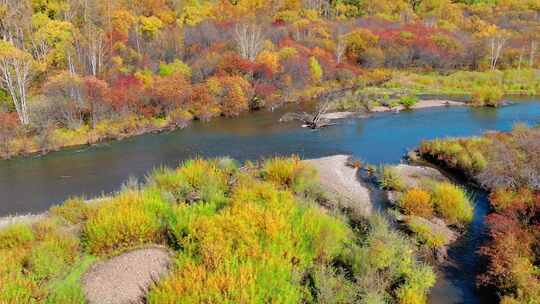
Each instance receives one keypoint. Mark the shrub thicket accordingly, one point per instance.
(249, 236)
(452, 203)
(417, 202)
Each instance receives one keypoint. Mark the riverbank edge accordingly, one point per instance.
(30, 218)
(337, 115)
(173, 126)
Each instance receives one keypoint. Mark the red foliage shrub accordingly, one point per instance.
(126, 94)
(9, 122)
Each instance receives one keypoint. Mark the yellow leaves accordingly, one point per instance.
(287, 52)
(10, 52)
(214, 86)
(177, 66)
(123, 20)
(315, 69)
(270, 59)
(145, 76)
(358, 41)
(287, 15)
(167, 16)
(196, 12)
(150, 25)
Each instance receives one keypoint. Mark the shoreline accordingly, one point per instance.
(422, 104)
(29, 218)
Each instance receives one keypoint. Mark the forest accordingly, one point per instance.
(77, 72)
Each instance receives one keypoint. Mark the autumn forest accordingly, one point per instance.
(306, 151)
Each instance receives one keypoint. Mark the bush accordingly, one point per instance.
(391, 180)
(487, 96)
(195, 180)
(69, 289)
(452, 203)
(416, 202)
(291, 173)
(425, 234)
(408, 101)
(130, 219)
(16, 235)
(52, 256)
(74, 210)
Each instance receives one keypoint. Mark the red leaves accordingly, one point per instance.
(126, 93)
(513, 234)
(8, 121)
(234, 64)
(169, 92)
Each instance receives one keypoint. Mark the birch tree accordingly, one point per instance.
(496, 39)
(15, 73)
(249, 39)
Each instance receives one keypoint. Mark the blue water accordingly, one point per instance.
(33, 184)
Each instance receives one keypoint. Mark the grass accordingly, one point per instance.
(69, 289)
(390, 179)
(290, 172)
(508, 82)
(74, 210)
(468, 155)
(452, 203)
(424, 233)
(16, 235)
(128, 220)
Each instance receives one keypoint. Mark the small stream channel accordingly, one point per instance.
(456, 276)
(34, 184)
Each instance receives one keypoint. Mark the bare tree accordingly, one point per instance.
(340, 49)
(15, 68)
(249, 39)
(532, 52)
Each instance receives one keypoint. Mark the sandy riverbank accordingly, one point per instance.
(422, 104)
(344, 184)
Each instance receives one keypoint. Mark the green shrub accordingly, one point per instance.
(332, 287)
(74, 210)
(425, 234)
(16, 235)
(52, 256)
(19, 289)
(390, 179)
(487, 96)
(452, 203)
(291, 173)
(69, 289)
(130, 219)
(195, 180)
(408, 101)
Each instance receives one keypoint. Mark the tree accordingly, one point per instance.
(95, 93)
(249, 40)
(315, 69)
(15, 74)
(64, 92)
(9, 124)
(170, 91)
(497, 39)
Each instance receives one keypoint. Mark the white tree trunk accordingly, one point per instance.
(249, 40)
(532, 52)
(15, 74)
